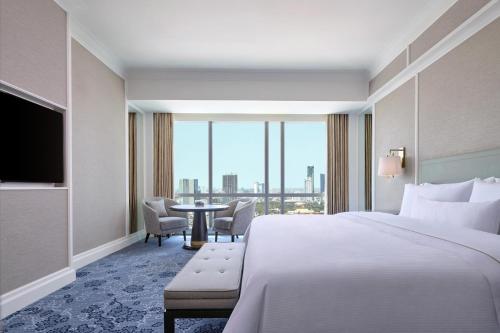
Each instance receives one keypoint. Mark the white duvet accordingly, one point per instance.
(366, 272)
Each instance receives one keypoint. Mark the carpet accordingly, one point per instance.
(122, 292)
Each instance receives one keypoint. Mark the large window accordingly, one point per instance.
(282, 164)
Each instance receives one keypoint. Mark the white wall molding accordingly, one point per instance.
(471, 26)
(87, 257)
(90, 42)
(405, 39)
(23, 296)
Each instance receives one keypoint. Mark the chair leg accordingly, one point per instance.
(238, 236)
(147, 237)
(168, 235)
(184, 234)
(168, 323)
(232, 238)
(216, 235)
(159, 240)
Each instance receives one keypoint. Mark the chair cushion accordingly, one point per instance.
(172, 222)
(158, 206)
(223, 222)
(211, 279)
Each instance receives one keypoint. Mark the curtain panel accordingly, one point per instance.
(132, 171)
(163, 155)
(338, 163)
(368, 162)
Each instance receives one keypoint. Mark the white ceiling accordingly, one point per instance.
(247, 107)
(254, 34)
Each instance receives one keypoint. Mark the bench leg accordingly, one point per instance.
(168, 322)
(184, 234)
(159, 240)
(147, 237)
(232, 238)
(216, 235)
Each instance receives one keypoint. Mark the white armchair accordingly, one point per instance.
(161, 226)
(233, 221)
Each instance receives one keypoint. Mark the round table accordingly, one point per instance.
(199, 235)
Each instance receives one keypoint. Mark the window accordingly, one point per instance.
(282, 164)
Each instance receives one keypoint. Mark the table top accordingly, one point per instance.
(193, 208)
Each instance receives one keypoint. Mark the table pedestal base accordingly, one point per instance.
(199, 234)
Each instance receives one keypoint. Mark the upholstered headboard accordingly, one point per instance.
(460, 167)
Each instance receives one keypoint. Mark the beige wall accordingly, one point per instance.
(449, 21)
(33, 235)
(33, 47)
(33, 223)
(390, 71)
(459, 98)
(458, 110)
(395, 128)
(99, 160)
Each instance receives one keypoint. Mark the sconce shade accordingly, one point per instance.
(389, 166)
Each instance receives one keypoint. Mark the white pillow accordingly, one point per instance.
(159, 207)
(483, 191)
(492, 180)
(455, 192)
(484, 216)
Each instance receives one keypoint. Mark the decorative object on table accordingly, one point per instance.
(161, 221)
(199, 235)
(235, 220)
(199, 203)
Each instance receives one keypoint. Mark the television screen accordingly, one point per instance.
(31, 142)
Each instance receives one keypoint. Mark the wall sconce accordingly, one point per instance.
(389, 166)
(393, 164)
(401, 153)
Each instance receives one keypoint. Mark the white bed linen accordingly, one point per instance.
(366, 272)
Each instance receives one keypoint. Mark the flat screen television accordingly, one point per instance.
(31, 142)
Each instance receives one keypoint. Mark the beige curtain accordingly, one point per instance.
(368, 162)
(162, 155)
(338, 163)
(132, 171)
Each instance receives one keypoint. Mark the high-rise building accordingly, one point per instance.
(258, 187)
(308, 185)
(310, 175)
(230, 183)
(188, 186)
(321, 183)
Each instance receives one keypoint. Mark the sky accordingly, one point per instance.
(238, 148)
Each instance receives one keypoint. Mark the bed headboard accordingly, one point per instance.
(460, 167)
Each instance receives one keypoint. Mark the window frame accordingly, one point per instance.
(266, 195)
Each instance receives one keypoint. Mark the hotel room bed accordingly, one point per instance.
(367, 272)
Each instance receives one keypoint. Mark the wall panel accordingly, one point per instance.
(99, 160)
(449, 21)
(33, 235)
(394, 128)
(33, 47)
(459, 98)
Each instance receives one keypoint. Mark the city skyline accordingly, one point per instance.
(230, 185)
(305, 145)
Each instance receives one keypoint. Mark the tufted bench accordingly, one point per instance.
(208, 286)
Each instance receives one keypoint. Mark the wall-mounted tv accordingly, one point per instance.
(31, 141)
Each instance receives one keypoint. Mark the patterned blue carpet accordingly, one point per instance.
(119, 293)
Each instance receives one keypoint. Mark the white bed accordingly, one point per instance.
(367, 272)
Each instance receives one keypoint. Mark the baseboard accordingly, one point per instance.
(23, 296)
(87, 257)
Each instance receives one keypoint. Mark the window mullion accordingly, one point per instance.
(282, 167)
(266, 167)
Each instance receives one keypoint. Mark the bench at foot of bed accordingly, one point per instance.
(207, 287)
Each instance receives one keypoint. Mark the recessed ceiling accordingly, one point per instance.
(247, 107)
(253, 34)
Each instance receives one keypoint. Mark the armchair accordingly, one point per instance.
(235, 220)
(163, 226)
